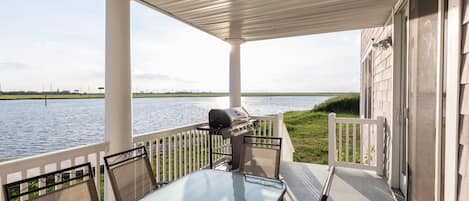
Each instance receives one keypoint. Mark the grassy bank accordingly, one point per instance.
(309, 129)
(156, 95)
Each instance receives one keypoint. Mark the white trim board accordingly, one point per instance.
(452, 99)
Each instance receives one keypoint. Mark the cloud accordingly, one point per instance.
(158, 77)
(152, 76)
(12, 65)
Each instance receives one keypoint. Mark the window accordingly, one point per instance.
(367, 94)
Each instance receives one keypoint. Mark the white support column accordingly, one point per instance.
(235, 72)
(118, 94)
(452, 99)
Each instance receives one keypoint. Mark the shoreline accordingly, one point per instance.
(158, 95)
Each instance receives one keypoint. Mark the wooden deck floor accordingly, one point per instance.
(304, 183)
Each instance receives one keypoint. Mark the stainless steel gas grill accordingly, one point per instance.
(233, 124)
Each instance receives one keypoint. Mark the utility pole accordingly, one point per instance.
(45, 95)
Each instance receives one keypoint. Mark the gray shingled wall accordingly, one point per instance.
(382, 80)
(464, 116)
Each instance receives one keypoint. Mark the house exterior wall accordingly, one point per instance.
(382, 87)
(422, 66)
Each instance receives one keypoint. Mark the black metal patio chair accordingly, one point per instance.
(130, 174)
(71, 184)
(261, 156)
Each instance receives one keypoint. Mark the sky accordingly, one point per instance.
(59, 44)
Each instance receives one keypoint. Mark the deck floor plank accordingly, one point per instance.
(304, 182)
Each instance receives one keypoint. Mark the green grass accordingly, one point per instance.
(157, 95)
(55, 96)
(340, 104)
(309, 129)
(309, 133)
(6, 159)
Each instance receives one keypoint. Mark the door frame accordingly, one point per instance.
(453, 66)
(398, 116)
(440, 100)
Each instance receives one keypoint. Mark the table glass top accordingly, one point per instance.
(214, 185)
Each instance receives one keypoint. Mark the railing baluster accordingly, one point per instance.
(150, 153)
(97, 168)
(340, 142)
(215, 147)
(180, 154)
(258, 130)
(185, 152)
(219, 148)
(332, 139)
(190, 151)
(3, 181)
(369, 144)
(72, 172)
(41, 183)
(204, 150)
(24, 187)
(346, 142)
(362, 151)
(164, 158)
(58, 178)
(157, 153)
(198, 149)
(194, 151)
(170, 148)
(175, 157)
(223, 144)
(207, 152)
(354, 148)
(270, 129)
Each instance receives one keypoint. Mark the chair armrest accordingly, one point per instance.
(327, 184)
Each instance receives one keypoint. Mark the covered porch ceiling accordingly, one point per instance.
(252, 20)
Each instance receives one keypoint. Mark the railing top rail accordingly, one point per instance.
(356, 120)
(49, 157)
(271, 117)
(166, 132)
(287, 138)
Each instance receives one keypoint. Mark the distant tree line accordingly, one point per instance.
(36, 92)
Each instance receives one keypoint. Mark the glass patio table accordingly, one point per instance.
(215, 185)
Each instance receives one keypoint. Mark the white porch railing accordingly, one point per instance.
(173, 153)
(176, 152)
(356, 143)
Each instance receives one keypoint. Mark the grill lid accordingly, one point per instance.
(226, 118)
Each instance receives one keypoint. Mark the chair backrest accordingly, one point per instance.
(130, 174)
(71, 184)
(261, 156)
(326, 188)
